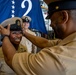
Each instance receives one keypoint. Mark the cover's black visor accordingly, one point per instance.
(14, 27)
(60, 5)
(25, 20)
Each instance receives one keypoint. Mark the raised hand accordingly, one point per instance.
(5, 31)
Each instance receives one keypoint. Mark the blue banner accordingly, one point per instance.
(19, 8)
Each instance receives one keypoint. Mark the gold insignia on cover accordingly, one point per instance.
(57, 7)
(18, 22)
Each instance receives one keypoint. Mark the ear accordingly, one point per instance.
(64, 17)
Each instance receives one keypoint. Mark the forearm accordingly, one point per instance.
(38, 41)
(8, 51)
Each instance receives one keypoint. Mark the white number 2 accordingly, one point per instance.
(29, 6)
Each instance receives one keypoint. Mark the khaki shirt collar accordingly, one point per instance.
(68, 39)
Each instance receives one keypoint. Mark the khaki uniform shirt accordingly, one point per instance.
(57, 60)
(21, 48)
(30, 47)
(4, 68)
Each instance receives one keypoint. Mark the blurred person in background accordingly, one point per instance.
(31, 48)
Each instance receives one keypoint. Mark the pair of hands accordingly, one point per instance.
(5, 31)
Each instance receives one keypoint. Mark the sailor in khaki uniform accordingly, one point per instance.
(15, 38)
(31, 48)
(57, 60)
(58, 57)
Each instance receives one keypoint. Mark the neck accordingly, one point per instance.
(68, 34)
(16, 46)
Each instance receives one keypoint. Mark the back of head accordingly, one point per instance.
(58, 5)
(15, 23)
(26, 19)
